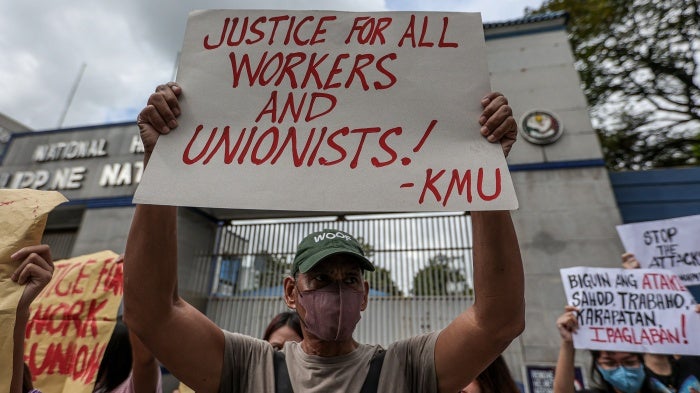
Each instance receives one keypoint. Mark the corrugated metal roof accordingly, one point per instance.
(528, 19)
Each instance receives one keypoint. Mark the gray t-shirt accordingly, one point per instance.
(409, 366)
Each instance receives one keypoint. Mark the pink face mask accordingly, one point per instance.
(332, 312)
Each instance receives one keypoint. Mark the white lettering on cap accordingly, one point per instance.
(329, 236)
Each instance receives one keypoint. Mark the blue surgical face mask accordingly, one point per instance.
(626, 380)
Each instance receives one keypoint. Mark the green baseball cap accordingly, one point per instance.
(319, 245)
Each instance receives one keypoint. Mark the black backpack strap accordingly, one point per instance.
(282, 382)
(375, 368)
(284, 385)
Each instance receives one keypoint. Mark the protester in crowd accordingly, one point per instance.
(284, 327)
(668, 373)
(34, 272)
(127, 366)
(611, 371)
(115, 367)
(496, 378)
(114, 374)
(328, 291)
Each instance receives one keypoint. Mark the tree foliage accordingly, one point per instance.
(273, 269)
(380, 279)
(440, 278)
(638, 61)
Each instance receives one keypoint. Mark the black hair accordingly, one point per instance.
(497, 378)
(287, 318)
(116, 362)
(598, 379)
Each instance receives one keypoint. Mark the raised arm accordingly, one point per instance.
(182, 338)
(145, 369)
(478, 335)
(35, 271)
(564, 373)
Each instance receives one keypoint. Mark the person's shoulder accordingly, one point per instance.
(240, 337)
(421, 341)
(238, 340)
(424, 337)
(687, 365)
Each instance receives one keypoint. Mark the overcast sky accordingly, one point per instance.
(131, 46)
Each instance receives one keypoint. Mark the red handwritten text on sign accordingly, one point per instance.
(385, 104)
(72, 320)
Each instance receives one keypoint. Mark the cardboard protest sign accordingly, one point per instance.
(632, 310)
(672, 244)
(23, 215)
(71, 322)
(330, 111)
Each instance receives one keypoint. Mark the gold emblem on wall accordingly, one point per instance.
(540, 127)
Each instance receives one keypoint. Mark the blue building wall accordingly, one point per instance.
(657, 194)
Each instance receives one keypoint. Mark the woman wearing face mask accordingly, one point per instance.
(611, 371)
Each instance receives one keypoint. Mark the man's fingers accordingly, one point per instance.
(38, 260)
(42, 249)
(160, 113)
(171, 97)
(33, 272)
(170, 92)
(163, 108)
(506, 127)
(39, 255)
(489, 98)
(150, 117)
(33, 265)
(497, 113)
(491, 103)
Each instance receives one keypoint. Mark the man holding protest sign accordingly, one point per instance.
(346, 112)
(325, 272)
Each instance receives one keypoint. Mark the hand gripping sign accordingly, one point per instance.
(632, 310)
(71, 322)
(330, 111)
(23, 215)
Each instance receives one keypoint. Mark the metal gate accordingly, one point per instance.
(61, 242)
(423, 278)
